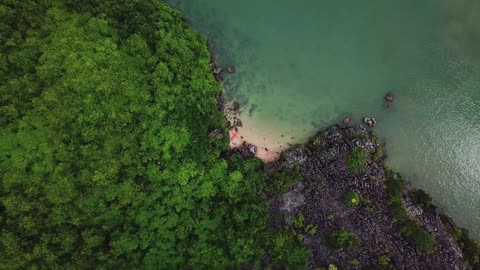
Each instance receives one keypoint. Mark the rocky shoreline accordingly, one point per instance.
(326, 178)
(317, 200)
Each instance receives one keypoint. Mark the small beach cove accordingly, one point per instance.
(305, 66)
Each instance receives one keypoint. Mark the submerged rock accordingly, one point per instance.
(231, 69)
(347, 121)
(389, 97)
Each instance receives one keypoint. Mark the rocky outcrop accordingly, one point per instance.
(369, 121)
(327, 178)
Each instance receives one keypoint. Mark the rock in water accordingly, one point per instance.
(369, 121)
(389, 98)
(231, 69)
(347, 121)
(217, 70)
(219, 77)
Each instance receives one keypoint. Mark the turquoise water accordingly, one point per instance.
(303, 65)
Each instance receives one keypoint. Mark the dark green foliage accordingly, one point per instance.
(417, 236)
(419, 197)
(280, 182)
(351, 198)
(288, 252)
(105, 155)
(413, 232)
(470, 248)
(395, 186)
(342, 239)
(357, 160)
(398, 213)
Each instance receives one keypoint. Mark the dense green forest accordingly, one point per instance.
(105, 155)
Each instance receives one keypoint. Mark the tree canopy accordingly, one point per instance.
(105, 155)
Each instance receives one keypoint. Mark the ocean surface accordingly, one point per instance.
(304, 65)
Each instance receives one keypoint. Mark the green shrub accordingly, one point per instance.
(397, 212)
(419, 197)
(470, 248)
(354, 262)
(342, 239)
(288, 252)
(413, 232)
(311, 229)
(282, 181)
(298, 221)
(332, 267)
(357, 160)
(351, 198)
(316, 142)
(383, 261)
(418, 237)
(395, 187)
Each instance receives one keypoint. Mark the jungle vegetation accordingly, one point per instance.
(105, 156)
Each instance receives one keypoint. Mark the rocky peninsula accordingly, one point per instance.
(353, 212)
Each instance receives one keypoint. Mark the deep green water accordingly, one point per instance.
(303, 65)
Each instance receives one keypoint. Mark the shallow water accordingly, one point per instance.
(303, 65)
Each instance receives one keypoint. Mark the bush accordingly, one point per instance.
(316, 142)
(282, 181)
(395, 187)
(351, 198)
(419, 197)
(342, 239)
(298, 221)
(332, 267)
(418, 237)
(297, 255)
(311, 229)
(378, 153)
(470, 248)
(354, 262)
(383, 261)
(415, 234)
(398, 214)
(357, 160)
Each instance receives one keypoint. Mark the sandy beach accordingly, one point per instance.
(269, 146)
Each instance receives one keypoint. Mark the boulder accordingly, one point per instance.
(369, 121)
(219, 78)
(217, 70)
